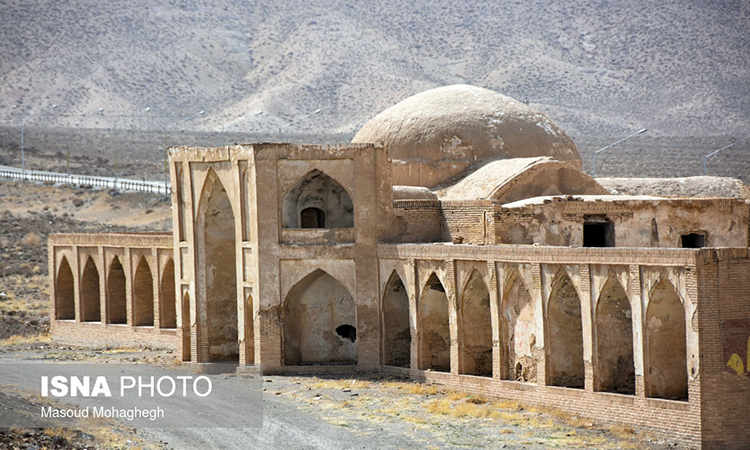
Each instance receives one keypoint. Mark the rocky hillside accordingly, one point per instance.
(597, 68)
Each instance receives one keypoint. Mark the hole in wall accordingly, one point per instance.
(598, 233)
(693, 240)
(347, 332)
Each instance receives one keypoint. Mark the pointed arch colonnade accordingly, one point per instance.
(113, 289)
(617, 329)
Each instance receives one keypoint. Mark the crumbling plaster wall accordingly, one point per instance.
(361, 169)
(194, 172)
(637, 223)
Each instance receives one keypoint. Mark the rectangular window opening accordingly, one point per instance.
(598, 234)
(693, 240)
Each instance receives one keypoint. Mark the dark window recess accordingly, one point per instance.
(693, 240)
(312, 218)
(598, 234)
(347, 332)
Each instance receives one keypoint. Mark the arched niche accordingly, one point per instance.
(320, 322)
(476, 328)
(91, 307)
(396, 333)
(65, 308)
(217, 261)
(168, 300)
(143, 295)
(117, 307)
(614, 340)
(666, 343)
(434, 327)
(519, 325)
(317, 201)
(565, 327)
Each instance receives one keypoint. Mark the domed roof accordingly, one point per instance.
(436, 134)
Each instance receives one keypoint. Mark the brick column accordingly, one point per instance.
(540, 349)
(450, 291)
(103, 304)
(587, 318)
(497, 319)
(636, 304)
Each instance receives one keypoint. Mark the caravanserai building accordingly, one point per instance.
(455, 240)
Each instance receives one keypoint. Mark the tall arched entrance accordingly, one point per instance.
(320, 321)
(218, 272)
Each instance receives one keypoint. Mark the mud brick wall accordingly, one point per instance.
(724, 288)
(418, 220)
(471, 222)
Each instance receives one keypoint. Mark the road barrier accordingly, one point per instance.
(155, 187)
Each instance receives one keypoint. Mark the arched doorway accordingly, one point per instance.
(218, 293)
(117, 307)
(666, 341)
(565, 334)
(90, 304)
(65, 308)
(320, 320)
(396, 329)
(614, 340)
(317, 201)
(167, 301)
(143, 295)
(476, 328)
(434, 327)
(519, 327)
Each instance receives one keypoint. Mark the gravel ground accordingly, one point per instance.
(364, 412)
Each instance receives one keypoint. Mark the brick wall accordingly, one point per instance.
(724, 311)
(418, 220)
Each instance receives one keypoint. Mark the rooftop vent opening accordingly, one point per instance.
(598, 233)
(312, 218)
(347, 332)
(693, 240)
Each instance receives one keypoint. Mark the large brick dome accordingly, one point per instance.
(435, 135)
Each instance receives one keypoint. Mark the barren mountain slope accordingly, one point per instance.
(597, 68)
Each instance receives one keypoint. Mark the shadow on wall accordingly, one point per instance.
(320, 320)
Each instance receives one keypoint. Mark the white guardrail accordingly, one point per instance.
(156, 187)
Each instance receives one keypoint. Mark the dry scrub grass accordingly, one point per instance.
(317, 383)
(25, 340)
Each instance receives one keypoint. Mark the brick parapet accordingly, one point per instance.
(163, 240)
(548, 254)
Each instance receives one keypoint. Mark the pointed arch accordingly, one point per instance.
(666, 343)
(320, 320)
(476, 328)
(317, 201)
(396, 332)
(65, 308)
(143, 295)
(217, 292)
(615, 365)
(519, 330)
(90, 304)
(434, 326)
(565, 326)
(117, 307)
(167, 298)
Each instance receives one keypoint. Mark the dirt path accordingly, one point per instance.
(345, 413)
